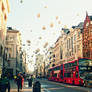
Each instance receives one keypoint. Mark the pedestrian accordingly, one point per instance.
(22, 82)
(4, 84)
(19, 81)
(8, 85)
(30, 81)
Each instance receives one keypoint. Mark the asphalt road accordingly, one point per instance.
(49, 86)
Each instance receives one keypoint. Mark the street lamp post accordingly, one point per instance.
(44, 69)
(16, 60)
(3, 71)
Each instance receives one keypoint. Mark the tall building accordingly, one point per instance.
(39, 62)
(13, 45)
(73, 43)
(87, 37)
(4, 10)
(51, 57)
(24, 68)
(68, 46)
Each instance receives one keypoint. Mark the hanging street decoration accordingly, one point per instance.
(59, 22)
(38, 15)
(44, 28)
(28, 41)
(45, 7)
(45, 45)
(40, 38)
(37, 50)
(56, 17)
(21, 1)
(51, 25)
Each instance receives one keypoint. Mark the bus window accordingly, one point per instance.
(71, 75)
(61, 74)
(75, 63)
(76, 74)
(55, 75)
(85, 62)
(67, 74)
(61, 67)
(66, 65)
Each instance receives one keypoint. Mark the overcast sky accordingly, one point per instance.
(30, 16)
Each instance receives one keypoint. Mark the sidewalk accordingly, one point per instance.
(26, 88)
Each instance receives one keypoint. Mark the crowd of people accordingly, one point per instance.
(19, 80)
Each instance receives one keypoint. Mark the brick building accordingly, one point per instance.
(87, 37)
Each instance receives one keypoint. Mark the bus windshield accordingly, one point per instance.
(85, 62)
(82, 74)
(85, 74)
(85, 67)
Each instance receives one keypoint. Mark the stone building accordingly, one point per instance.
(4, 10)
(13, 45)
(39, 63)
(68, 46)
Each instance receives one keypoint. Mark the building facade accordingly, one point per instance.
(39, 63)
(87, 37)
(69, 46)
(4, 10)
(13, 45)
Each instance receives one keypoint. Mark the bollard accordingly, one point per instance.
(37, 87)
(30, 82)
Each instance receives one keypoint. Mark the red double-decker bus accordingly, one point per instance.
(73, 72)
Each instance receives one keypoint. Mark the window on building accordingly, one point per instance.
(61, 53)
(91, 43)
(79, 34)
(50, 52)
(75, 49)
(74, 37)
(72, 43)
(3, 8)
(9, 55)
(5, 17)
(54, 55)
(91, 32)
(78, 47)
(69, 43)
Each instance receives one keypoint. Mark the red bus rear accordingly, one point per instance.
(72, 72)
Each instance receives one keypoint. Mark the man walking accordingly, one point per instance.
(19, 81)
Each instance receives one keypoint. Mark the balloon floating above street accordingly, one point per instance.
(21, 1)
(40, 38)
(45, 7)
(28, 41)
(44, 28)
(56, 17)
(37, 50)
(45, 45)
(59, 22)
(23, 45)
(51, 25)
(28, 44)
(65, 26)
(38, 15)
